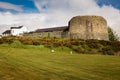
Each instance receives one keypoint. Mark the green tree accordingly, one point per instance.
(112, 35)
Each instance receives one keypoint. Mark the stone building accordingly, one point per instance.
(80, 27)
(88, 27)
(58, 32)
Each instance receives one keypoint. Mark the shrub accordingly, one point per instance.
(116, 46)
(78, 49)
(36, 42)
(17, 44)
(25, 40)
(4, 45)
(61, 49)
(107, 51)
(6, 40)
(78, 45)
(92, 51)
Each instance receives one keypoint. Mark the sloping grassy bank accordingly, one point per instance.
(39, 63)
(78, 45)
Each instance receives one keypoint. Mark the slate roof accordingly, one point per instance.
(63, 28)
(16, 27)
(7, 32)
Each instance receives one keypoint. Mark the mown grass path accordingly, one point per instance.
(41, 64)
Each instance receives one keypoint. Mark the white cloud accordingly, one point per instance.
(32, 21)
(59, 12)
(63, 10)
(6, 5)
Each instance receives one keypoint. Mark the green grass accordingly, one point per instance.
(38, 63)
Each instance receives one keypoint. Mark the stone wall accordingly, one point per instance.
(88, 27)
(80, 27)
(57, 34)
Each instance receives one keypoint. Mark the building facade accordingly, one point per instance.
(80, 27)
(88, 27)
(58, 32)
(15, 31)
(18, 31)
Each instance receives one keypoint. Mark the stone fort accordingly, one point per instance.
(79, 27)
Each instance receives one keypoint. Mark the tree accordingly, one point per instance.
(112, 35)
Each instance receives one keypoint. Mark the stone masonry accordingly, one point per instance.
(79, 27)
(88, 27)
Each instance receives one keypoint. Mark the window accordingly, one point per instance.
(12, 31)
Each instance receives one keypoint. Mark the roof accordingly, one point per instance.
(7, 32)
(63, 28)
(16, 27)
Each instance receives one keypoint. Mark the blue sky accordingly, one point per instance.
(36, 14)
(114, 3)
(29, 6)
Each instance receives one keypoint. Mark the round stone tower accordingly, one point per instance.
(88, 27)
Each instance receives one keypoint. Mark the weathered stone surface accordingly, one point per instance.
(88, 27)
(80, 27)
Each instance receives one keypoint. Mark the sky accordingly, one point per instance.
(37, 14)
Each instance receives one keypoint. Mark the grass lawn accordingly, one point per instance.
(41, 64)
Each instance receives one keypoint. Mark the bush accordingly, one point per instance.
(4, 45)
(78, 49)
(17, 44)
(107, 51)
(78, 45)
(116, 46)
(6, 40)
(61, 49)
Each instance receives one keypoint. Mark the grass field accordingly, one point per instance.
(41, 64)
